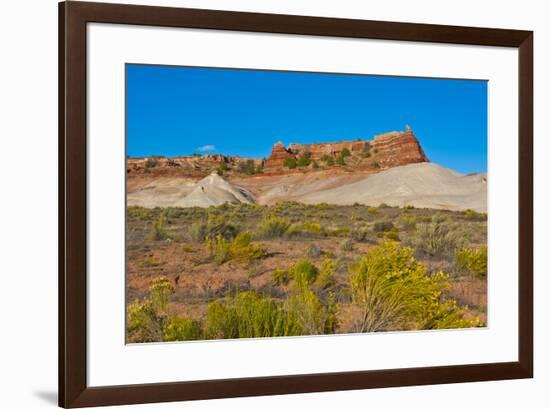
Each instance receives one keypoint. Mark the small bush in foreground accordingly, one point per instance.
(303, 273)
(182, 329)
(240, 248)
(280, 276)
(392, 291)
(472, 260)
(273, 226)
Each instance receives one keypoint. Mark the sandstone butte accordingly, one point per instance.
(385, 151)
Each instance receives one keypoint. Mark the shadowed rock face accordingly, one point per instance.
(390, 149)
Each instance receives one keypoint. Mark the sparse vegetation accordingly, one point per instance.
(296, 269)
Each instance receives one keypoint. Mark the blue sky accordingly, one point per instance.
(175, 111)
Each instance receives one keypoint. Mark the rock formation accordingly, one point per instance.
(386, 150)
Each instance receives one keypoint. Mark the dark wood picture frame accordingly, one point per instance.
(73, 388)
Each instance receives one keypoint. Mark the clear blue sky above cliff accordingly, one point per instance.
(175, 111)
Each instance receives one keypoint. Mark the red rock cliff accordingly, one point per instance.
(386, 150)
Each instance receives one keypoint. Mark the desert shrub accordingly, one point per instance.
(372, 210)
(280, 276)
(260, 168)
(375, 164)
(392, 290)
(141, 213)
(150, 163)
(158, 229)
(240, 248)
(304, 273)
(472, 260)
(328, 159)
(313, 251)
(435, 239)
(408, 221)
(182, 329)
(210, 228)
(383, 226)
(290, 163)
(143, 324)
(315, 164)
(325, 279)
(304, 229)
(347, 245)
(160, 291)
(146, 319)
(470, 214)
(311, 315)
(345, 153)
(304, 160)
(439, 218)
(248, 315)
(218, 249)
(247, 167)
(393, 234)
(149, 261)
(359, 234)
(273, 226)
(340, 160)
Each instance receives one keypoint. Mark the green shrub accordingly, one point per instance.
(372, 210)
(408, 221)
(435, 240)
(141, 213)
(304, 273)
(160, 291)
(290, 163)
(470, 214)
(472, 260)
(393, 234)
(328, 159)
(325, 279)
(308, 311)
(182, 329)
(304, 229)
(249, 315)
(143, 324)
(280, 276)
(340, 160)
(345, 153)
(273, 226)
(240, 248)
(247, 167)
(147, 318)
(158, 231)
(304, 160)
(392, 291)
(212, 227)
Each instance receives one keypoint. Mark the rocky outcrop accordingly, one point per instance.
(397, 148)
(384, 151)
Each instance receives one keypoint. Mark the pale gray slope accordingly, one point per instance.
(419, 185)
(213, 190)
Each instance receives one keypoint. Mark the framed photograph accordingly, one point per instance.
(255, 204)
